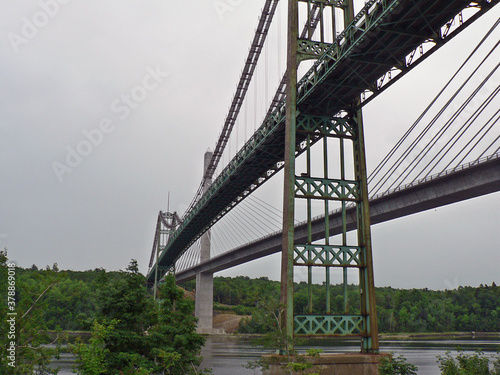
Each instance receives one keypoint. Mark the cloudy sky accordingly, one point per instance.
(108, 106)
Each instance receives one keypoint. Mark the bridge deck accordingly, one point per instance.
(394, 32)
(476, 180)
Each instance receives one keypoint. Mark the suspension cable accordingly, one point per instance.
(408, 132)
(381, 182)
(456, 137)
(427, 148)
(479, 140)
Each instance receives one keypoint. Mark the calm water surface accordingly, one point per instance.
(227, 355)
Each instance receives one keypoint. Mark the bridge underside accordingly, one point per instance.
(454, 187)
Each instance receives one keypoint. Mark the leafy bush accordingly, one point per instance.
(396, 366)
(468, 364)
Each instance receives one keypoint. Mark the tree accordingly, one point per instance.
(23, 333)
(90, 359)
(396, 366)
(125, 304)
(175, 344)
(133, 335)
(468, 364)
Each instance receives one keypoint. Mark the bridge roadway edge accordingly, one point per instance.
(458, 186)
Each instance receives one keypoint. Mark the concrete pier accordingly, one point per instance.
(204, 300)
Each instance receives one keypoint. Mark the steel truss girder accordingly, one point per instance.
(334, 3)
(325, 126)
(310, 49)
(326, 188)
(330, 325)
(370, 32)
(328, 256)
(400, 31)
(166, 269)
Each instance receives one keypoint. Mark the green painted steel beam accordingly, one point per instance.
(328, 256)
(309, 49)
(330, 325)
(325, 126)
(326, 188)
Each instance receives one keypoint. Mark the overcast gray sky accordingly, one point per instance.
(108, 106)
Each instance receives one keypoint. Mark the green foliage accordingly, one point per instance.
(125, 301)
(135, 335)
(31, 301)
(398, 310)
(72, 303)
(267, 318)
(396, 366)
(277, 340)
(300, 366)
(314, 352)
(255, 366)
(468, 364)
(176, 345)
(90, 358)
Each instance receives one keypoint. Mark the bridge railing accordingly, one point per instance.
(446, 172)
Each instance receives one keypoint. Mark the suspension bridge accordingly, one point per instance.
(347, 58)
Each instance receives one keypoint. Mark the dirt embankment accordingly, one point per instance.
(222, 319)
(229, 321)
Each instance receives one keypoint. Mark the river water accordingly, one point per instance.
(227, 355)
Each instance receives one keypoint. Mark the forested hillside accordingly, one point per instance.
(73, 302)
(399, 310)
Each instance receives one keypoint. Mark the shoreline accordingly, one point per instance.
(440, 335)
(403, 336)
(85, 335)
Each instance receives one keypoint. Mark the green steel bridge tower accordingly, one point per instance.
(311, 186)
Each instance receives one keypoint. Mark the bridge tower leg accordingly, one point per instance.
(205, 280)
(333, 185)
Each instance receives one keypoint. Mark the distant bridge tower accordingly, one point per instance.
(166, 224)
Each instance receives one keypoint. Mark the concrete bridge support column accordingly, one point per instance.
(204, 302)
